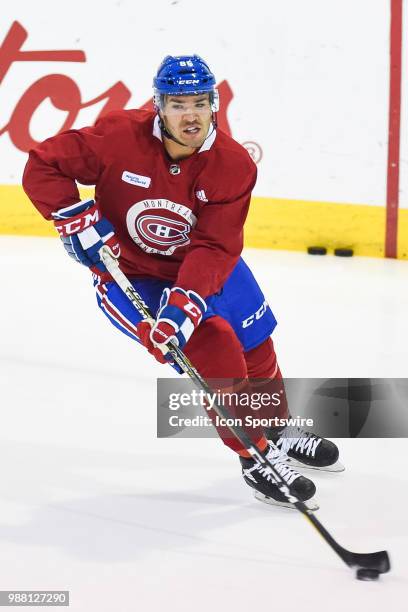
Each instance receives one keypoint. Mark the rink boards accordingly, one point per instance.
(273, 223)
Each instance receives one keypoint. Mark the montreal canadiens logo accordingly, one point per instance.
(160, 226)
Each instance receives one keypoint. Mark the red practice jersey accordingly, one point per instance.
(180, 221)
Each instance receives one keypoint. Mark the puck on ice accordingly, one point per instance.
(367, 574)
(316, 250)
(344, 252)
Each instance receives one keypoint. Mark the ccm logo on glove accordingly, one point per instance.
(180, 312)
(79, 222)
(84, 231)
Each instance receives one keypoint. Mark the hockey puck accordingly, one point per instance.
(344, 252)
(367, 574)
(316, 250)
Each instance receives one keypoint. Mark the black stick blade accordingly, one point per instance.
(379, 561)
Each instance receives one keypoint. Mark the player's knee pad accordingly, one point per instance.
(215, 350)
(266, 378)
(261, 361)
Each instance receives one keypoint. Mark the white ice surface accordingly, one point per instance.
(93, 502)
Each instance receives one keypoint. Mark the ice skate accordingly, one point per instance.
(304, 449)
(265, 485)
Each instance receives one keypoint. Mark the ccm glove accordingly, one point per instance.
(180, 312)
(83, 231)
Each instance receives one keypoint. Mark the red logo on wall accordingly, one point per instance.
(63, 92)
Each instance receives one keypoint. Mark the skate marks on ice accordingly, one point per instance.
(98, 507)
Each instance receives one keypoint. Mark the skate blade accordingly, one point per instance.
(336, 467)
(310, 503)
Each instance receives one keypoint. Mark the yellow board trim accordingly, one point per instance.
(273, 223)
(298, 224)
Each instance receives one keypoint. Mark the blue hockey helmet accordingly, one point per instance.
(184, 75)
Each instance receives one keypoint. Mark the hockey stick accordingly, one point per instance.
(377, 562)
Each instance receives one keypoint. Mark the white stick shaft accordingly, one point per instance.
(112, 266)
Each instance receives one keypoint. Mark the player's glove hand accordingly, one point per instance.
(83, 231)
(180, 312)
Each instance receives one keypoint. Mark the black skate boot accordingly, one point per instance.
(305, 449)
(265, 485)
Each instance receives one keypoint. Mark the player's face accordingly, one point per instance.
(188, 118)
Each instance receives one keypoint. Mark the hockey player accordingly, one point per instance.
(171, 197)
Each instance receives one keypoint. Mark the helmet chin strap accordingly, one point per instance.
(169, 135)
